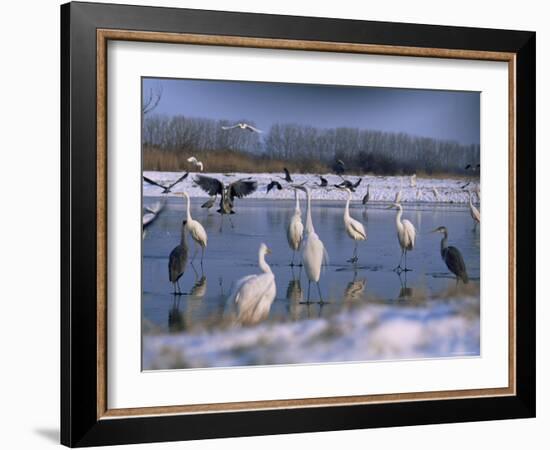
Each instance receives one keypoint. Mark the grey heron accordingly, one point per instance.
(452, 257)
(178, 260)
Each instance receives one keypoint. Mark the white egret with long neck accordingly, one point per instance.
(295, 230)
(474, 212)
(406, 235)
(196, 230)
(254, 294)
(354, 228)
(313, 250)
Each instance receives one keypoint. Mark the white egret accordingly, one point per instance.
(354, 228)
(178, 260)
(474, 212)
(406, 235)
(243, 126)
(295, 230)
(254, 294)
(313, 250)
(196, 230)
(195, 162)
(452, 257)
(413, 180)
(398, 196)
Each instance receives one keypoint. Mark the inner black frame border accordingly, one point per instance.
(79, 423)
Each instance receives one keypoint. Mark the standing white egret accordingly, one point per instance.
(254, 294)
(196, 230)
(354, 228)
(452, 257)
(313, 250)
(178, 260)
(474, 212)
(295, 230)
(406, 235)
(413, 180)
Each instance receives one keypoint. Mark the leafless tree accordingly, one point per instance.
(151, 100)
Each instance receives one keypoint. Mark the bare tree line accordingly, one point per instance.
(363, 150)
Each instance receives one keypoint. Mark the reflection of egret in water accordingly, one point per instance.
(404, 291)
(354, 291)
(295, 295)
(199, 288)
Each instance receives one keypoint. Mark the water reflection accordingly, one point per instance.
(354, 292)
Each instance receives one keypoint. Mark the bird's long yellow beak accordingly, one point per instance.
(268, 250)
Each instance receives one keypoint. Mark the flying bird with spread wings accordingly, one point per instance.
(196, 162)
(228, 192)
(243, 126)
(166, 189)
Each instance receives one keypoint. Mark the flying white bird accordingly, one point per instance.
(313, 250)
(295, 230)
(406, 235)
(196, 162)
(354, 228)
(254, 294)
(196, 230)
(243, 126)
(474, 212)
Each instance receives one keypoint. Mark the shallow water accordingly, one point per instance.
(232, 254)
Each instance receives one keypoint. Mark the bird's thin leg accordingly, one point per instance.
(179, 288)
(321, 302)
(308, 292)
(398, 268)
(202, 255)
(406, 269)
(231, 222)
(194, 270)
(292, 262)
(221, 224)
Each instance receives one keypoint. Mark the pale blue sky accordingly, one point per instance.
(447, 115)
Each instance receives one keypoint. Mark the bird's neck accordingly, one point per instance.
(297, 207)
(183, 237)
(263, 264)
(398, 216)
(309, 222)
(444, 242)
(346, 211)
(188, 208)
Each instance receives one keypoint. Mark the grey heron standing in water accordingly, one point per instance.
(178, 260)
(452, 257)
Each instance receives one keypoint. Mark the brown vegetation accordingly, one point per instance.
(226, 161)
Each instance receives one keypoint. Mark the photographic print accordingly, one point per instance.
(300, 224)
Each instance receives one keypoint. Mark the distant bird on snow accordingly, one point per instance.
(243, 126)
(195, 162)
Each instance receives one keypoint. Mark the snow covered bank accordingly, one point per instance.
(382, 189)
(371, 332)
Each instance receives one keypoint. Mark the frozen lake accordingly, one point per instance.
(428, 291)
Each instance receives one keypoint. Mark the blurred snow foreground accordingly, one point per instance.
(369, 333)
(382, 188)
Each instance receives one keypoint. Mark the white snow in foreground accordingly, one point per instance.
(382, 189)
(372, 332)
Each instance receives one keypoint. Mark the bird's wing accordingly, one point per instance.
(192, 159)
(455, 262)
(270, 186)
(476, 214)
(287, 173)
(183, 177)
(410, 230)
(237, 287)
(242, 188)
(358, 228)
(358, 182)
(148, 218)
(154, 183)
(251, 128)
(278, 185)
(212, 186)
(230, 128)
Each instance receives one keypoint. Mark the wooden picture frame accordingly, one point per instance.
(85, 417)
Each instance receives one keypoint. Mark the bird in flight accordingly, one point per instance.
(346, 184)
(195, 162)
(166, 189)
(323, 183)
(340, 167)
(274, 184)
(239, 189)
(243, 126)
(287, 176)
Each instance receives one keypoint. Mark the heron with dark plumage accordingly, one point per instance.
(452, 257)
